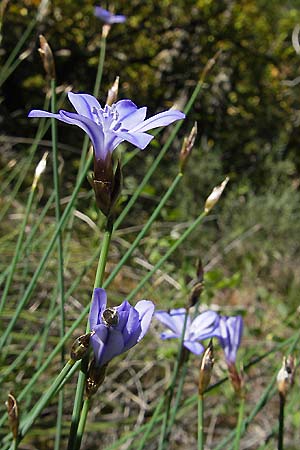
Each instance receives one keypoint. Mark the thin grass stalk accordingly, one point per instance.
(29, 290)
(178, 396)
(100, 66)
(170, 390)
(17, 253)
(240, 423)
(60, 274)
(200, 422)
(151, 424)
(82, 422)
(84, 365)
(145, 229)
(16, 49)
(281, 422)
(171, 250)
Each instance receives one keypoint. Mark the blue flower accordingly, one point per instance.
(109, 126)
(115, 330)
(230, 335)
(108, 17)
(202, 327)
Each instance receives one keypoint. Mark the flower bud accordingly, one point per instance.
(95, 378)
(187, 146)
(198, 286)
(40, 168)
(206, 367)
(106, 184)
(214, 197)
(47, 57)
(13, 415)
(80, 346)
(112, 95)
(285, 377)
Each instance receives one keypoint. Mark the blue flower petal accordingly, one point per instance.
(97, 307)
(194, 347)
(84, 104)
(94, 131)
(107, 16)
(159, 120)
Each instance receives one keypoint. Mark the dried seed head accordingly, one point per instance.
(214, 197)
(47, 57)
(80, 346)
(286, 375)
(112, 95)
(206, 368)
(198, 286)
(13, 415)
(187, 146)
(40, 168)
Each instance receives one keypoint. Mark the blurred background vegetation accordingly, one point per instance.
(248, 116)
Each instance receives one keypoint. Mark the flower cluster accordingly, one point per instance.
(209, 324)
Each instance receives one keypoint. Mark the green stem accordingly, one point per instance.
(145, 229)
(18, 248)
(178, 397)
(281, 421)
(151, 424)
(84, 365)
(60, 274)
(239, 424)
(82, 422)
(171, 250)
(100, 67)
(13, 54)
(200, 422)
(170, 390)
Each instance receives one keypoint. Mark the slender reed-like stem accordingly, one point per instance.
(60, 274)
(13, 54)
(171, 250)
(151, 424)
(84, 365)
(200, 422)
(145, 229)
(82, 422)
(239, 423)
(18, 248)
(100, 67)
(178, 396)
(170, 390)
(281, 421)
